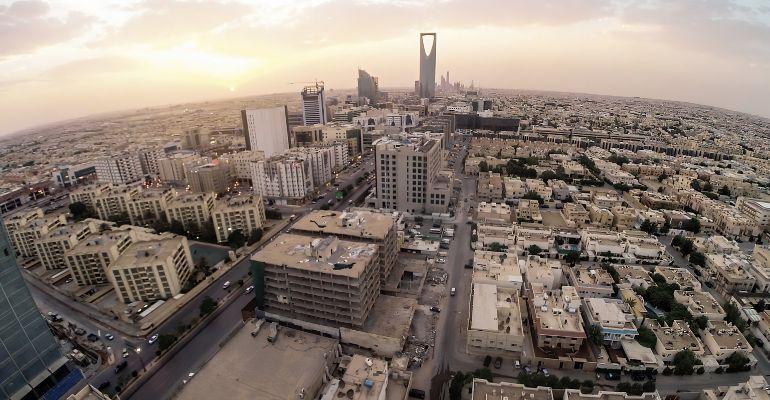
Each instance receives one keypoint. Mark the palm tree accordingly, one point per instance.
(631, 302)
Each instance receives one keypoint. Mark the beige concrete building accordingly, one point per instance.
(723, 339)
(753, 389)
(149, 205)
(52, 246)
(555, 316)
(326, 281)
(715, 244)
(358, 225)
(528, 235)
(601, 217)
(756, 209)
(760, 268)
(151, 270)
(591, 282)
(489, 232)
(700, 304)
(25, 237)
(87, 194)
(489, 187)
(529, 211)
(365, 378)
(632, 276)
(673, 339)
(174, 167)
(493, 211)
(495, 320)
(191, 209)
(543, 271)
(538, 186)
(89, 259)
(680, 276)
(113, 202)
(283, 177)
(623, 217)
(245, 213)
(499, 269)
(576, 394)
(514, 188)
(576, 215)
(730, 273)
(613, 316)
(210, 177)
(483, 390)
(405, 174)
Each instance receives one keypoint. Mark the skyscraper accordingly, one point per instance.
(266, 129)
(314, 105)
(427, 67)
(367, 86)
(31, 362)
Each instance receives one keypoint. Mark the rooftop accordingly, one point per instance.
(328, 255)
(727, 336)
(483, 390)
(676, 337)
(557, 310)
(148, 252)
(359, 223)
(97, 242)
(586, 276)
(680, 276)
(698, 302)
(252, 368)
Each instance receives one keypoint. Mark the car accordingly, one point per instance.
(453, 291)
(517, 364)
(68, 280)
(249, 289)
(612, 376)
(527, 369)
(189, 378)
(498, 362)
(109, 336)
(545, 372)
(125, 353)
(153, 339)
(440, 260)
(226, 285)
(92, 337)
(417, 393)
(120, 366)
(435, 309)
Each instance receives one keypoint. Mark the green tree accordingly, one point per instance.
(724, 191)
(165, 341)
(737, 362)
(684, 362)
(695, 184)
(483, 373)
(733, 315)
(648, 387)
(532, 195)
(548, 175)
(698, 258)
(665, 228)
(708, 187)
(572, 257)
(692, 225)
(649, 227)
(208, 305)
(80, 211)
(236, 239)
(255, 235)
(534, 250)
(483, 166)
(495, 246)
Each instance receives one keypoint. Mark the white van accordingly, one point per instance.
(226, 285)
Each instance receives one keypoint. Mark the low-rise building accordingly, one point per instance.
(290, 269)
(673, 339)
(561, 190)
(576, 394)
(499, 269)
(576, 215)
(493, 211)
(632, 276)
(529, 211)
(682, 277)
(544, 271)
(495, 322)
(614, 318)
(113, 202)
(730, 273)
(555, 317)
(723, 339)
(489, 232)
(514, 189)
(490, 188)
(538, 186)
(760, 268)
(756, 209)
(191, 209)
(591, 282)
(658, 201)
(715, 244)
(601, 217)
(244, 213)
(528, 235)
(149, 205)
(602, 243)
(700, 304)
(484, 390)
(623, 217)
(753, 389)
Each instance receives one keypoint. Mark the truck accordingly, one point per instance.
(272, 335)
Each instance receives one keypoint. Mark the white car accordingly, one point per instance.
(189, 378)
(125, 353)
(109, 336)
(249, 289)
(226, 285)
(153, 338)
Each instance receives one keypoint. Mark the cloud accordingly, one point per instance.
(25, 26)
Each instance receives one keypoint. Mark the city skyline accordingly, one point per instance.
(70, 59)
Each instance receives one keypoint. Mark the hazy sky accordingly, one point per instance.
(69, 58)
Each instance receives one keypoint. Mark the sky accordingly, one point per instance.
(67, 58)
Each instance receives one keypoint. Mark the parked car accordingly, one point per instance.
(125, 353)
(92, 337)
(498, 362)
(435, 309)
(226, 285)
(249, 289)
(109, 336)
(452, 291)
(487, 361)
(417, 393)
(152, 339)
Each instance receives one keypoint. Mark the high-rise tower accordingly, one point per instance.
(367, 86)
(427, 67)
(314, 105)
(30, 359)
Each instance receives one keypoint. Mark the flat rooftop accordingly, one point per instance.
(627, 272)
(586, 276)
(560, 310)
(98, 242)
(727, 337)
(574, 394)
(238, 202)
(147, 252)
(359, 223)
(483, 390)
(680, 276)
(249, 367)
(328, 255)
(676, 337)
(699, 302)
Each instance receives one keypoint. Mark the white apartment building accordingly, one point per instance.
(406, 173)
(114, 201)
(266, 129)
(321, 159)
(495, 320)
(543, 271)
(283, 177)
(149, 158)
(52, 246)
(760, 268)
(240, 163)
(24, 237)
(89, 259)
(756, 209)
(119, 169)
(149, 205)
(88, 193)
(191, 209)
(243, 213)
(174, 167)
(152, 270)
(613, 316)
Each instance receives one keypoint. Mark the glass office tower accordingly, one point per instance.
(31, 361)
